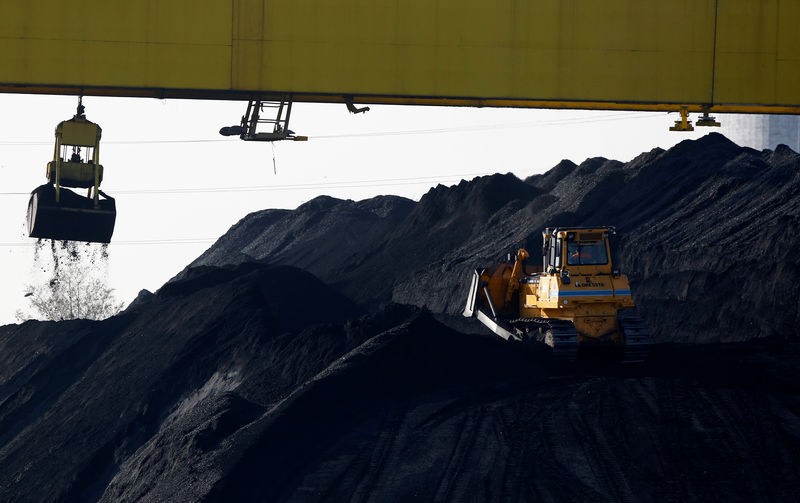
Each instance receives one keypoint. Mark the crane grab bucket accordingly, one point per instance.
(73, 217)
(55, 212)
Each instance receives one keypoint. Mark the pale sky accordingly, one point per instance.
(179, 185)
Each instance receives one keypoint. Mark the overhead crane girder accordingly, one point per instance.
(703, 55)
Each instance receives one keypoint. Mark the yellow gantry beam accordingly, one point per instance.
(714, 55)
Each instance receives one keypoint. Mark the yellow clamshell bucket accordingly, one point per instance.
(73, 218)
(55, 212)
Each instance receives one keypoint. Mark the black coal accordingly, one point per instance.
(247, 378)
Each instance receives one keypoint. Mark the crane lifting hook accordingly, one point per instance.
(81, 108)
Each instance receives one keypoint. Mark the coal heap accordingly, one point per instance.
(706, 236)
(249, 379)
(224, 386)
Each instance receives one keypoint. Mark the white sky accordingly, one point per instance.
(170, 146)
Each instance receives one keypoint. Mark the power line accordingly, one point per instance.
(455, 129)
(133, 242)
(166, 241)
(306, 186)
(121, 142)
(383, 182)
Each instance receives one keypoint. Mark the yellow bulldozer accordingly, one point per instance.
(576, 301)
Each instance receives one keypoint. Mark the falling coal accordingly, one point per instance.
(71, 282)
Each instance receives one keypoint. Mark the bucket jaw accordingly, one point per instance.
(73, 217)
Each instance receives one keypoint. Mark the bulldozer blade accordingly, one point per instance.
(472, 296)
(73, 218)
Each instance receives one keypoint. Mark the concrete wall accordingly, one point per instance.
(762, 131)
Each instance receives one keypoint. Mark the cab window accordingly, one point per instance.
(586, 253)
(558, 252)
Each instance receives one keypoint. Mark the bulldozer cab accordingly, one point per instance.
(572, 250)
(55, 212)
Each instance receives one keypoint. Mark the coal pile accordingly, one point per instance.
(707, 234)
(455, 420)
(79, 398)
(281, 366)
(218, 388)
(318, 236)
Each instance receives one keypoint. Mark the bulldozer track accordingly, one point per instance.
(637, 339)
(560, 335)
